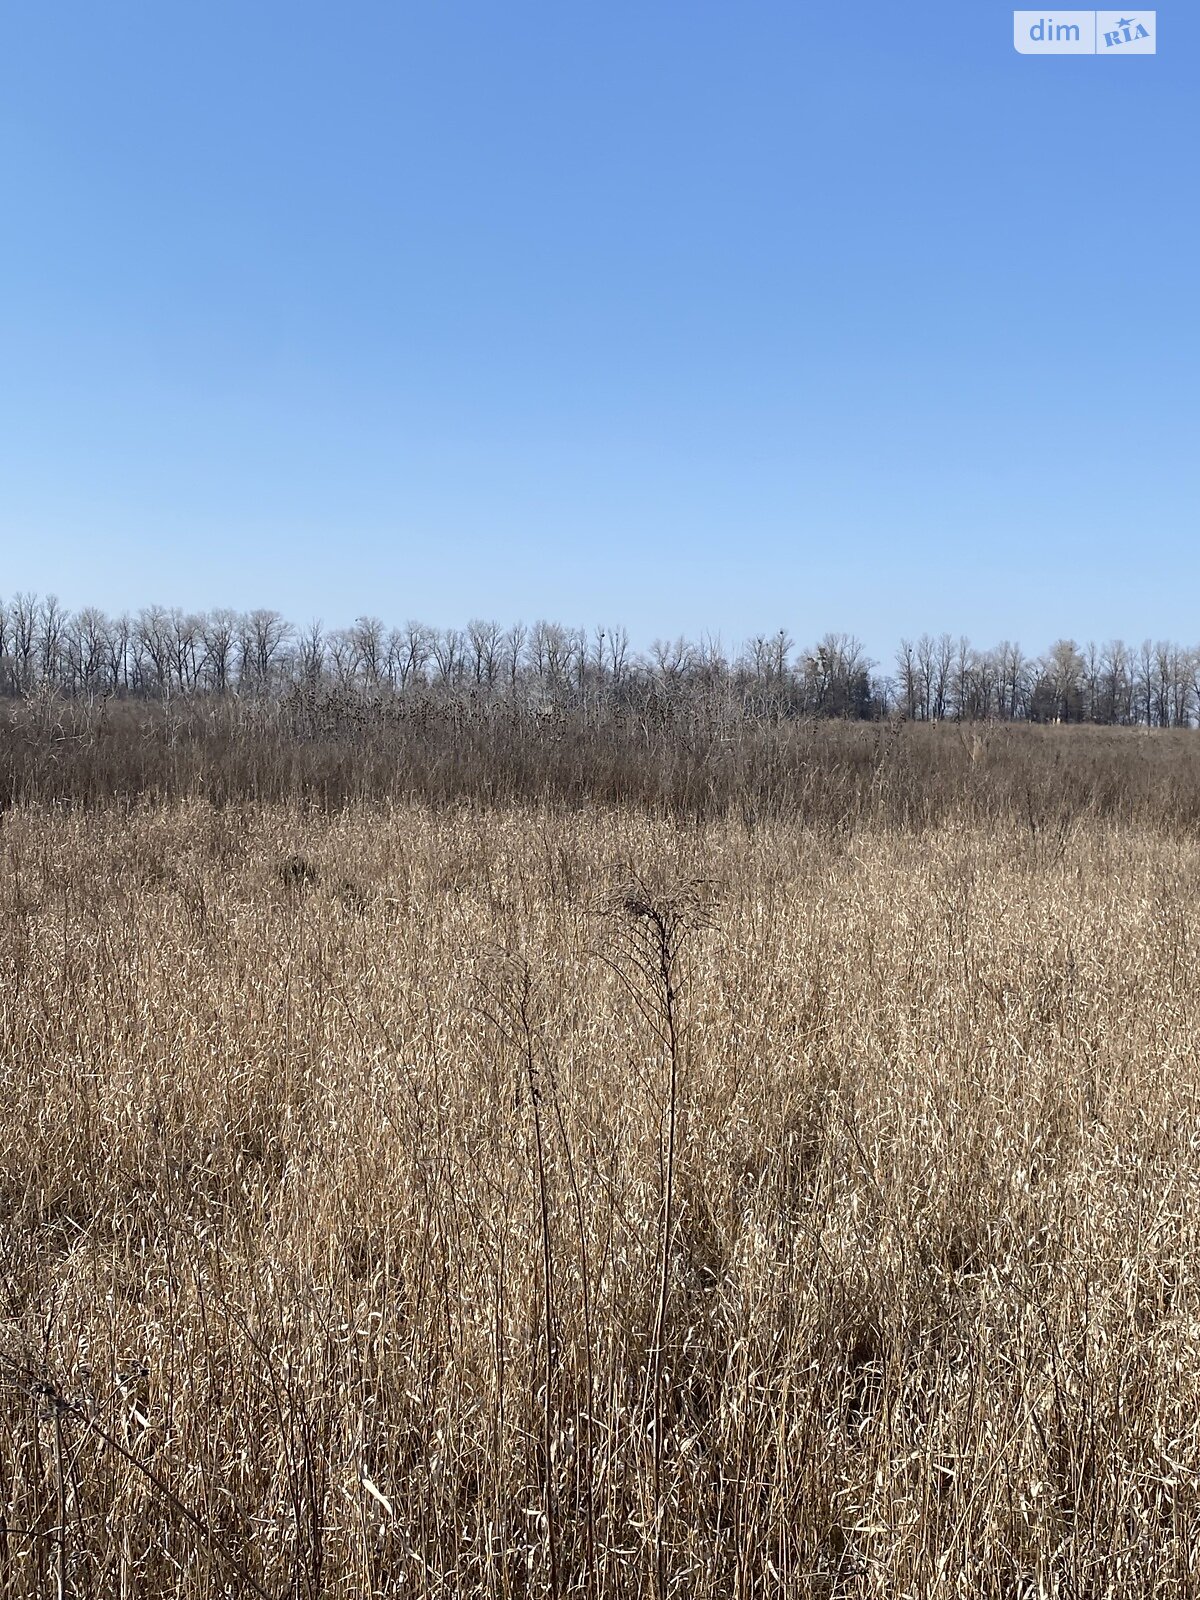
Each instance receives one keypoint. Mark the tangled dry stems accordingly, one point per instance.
(343, 1253)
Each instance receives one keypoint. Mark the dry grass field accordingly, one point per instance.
(515, 1200)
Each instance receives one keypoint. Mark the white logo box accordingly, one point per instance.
(1085, 33)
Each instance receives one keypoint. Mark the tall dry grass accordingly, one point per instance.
(527, 1201)
(676, 758)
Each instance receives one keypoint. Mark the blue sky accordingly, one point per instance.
(692, 316)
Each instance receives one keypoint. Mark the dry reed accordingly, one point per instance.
(431, 1218)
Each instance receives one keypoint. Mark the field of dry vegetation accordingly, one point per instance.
(471, 1192)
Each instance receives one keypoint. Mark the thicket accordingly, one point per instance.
(330, 749)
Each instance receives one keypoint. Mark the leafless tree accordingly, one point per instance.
(908, 682)
(447, 649)
(51, 619)
(23, 617)
(512, 654)
(152, 635)
(342, 652)
(367, 637)
(415, 653)
(485, 640)
(7, 664)
(117, 649)
(218, 633)
(90, 635)
(310, 652)
(186, 646)
(672, 660)
(618, 655)
(266, 633)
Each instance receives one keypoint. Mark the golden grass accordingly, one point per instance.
(348, 1249)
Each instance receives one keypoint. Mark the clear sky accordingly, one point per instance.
(691, 316)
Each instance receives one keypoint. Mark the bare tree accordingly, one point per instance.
(117, 649)
(908, 682)
(551, 652)
(1143, 682)
(267, 634)
(1012, 678)
(942, 660)
(185, 649)
(926, 674)
(90, 633)
(343, 656)
(1061, 687)
(512, 654)
(618, 655)
(7, 664)
(152, 634)
(1115, 687)
(672, 660)
(219, 633)
(447, 651)
(367, 637)
(836, 677)
(310, 652)
(970, 692)
(1182, 686)
(51, 619)
(23, 615)
(485, 640)
(417, 652)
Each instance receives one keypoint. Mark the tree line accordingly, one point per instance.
(161, 653)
